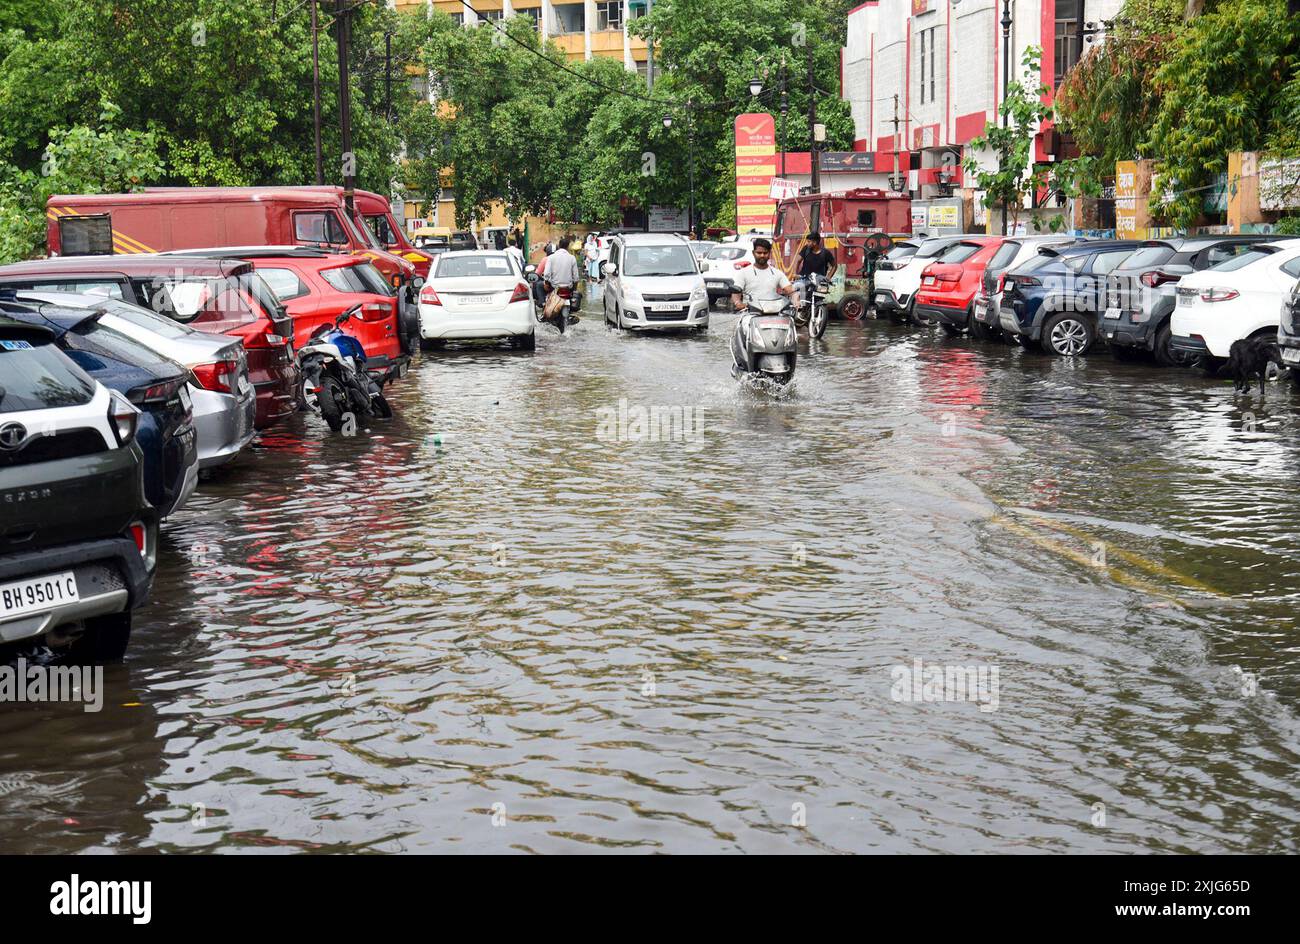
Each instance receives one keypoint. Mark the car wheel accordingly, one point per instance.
(103, 639)
(853, 307)
(1165, 354)
(1125, 354)
(525, 342)
(432, 344)
(333, 402)
(1065, 334)
(984, 332)
(921, 321)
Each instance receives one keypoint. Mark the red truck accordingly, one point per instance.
(162, 219)
(845, 219)
(376, 214)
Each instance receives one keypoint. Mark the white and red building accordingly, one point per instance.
(943, 59)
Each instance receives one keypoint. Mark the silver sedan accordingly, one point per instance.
(225, 402)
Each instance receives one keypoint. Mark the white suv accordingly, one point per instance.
(893, 288)
(653, 281)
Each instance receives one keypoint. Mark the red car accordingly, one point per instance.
(316, 286)
(949, 285)
(218, 296)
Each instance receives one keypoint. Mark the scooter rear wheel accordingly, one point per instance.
(333, 401)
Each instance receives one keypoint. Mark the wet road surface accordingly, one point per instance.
(503, 621)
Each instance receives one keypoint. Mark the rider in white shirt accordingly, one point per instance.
(762, 284)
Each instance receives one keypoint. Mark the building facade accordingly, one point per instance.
(937, 67)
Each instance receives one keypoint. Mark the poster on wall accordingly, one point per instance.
(755, 170)
(945, 216)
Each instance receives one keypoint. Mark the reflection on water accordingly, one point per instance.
(486, 625)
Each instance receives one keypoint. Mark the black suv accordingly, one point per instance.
(77, 536)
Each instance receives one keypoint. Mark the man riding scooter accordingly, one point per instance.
(762, 282)
(561, 273)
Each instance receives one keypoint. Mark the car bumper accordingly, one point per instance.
(886, 300)
(986, 309)
(1213, 327)
(940, 314)
(692, 315)
(718, 287)
(1189, 344)
(111, 577)
(275, 381)
(513, 320)
(224, 423)
(1009, 319)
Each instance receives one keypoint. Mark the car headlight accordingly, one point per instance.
(700, 293)
(631, 295)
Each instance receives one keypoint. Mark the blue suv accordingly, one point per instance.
(1055, 298)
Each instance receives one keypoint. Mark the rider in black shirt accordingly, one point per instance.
(814, 260)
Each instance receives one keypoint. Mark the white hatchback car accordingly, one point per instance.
(1236, 299)
(474, 294)
(654, 281)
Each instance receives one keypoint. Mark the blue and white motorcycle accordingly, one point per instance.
(338, 378)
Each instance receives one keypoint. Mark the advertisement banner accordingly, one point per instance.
(755, 170)
(944, 216)
(668, 219)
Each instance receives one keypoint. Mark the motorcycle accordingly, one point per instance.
(338, 377)
(810, 313)
(566, 314)
(765, 345)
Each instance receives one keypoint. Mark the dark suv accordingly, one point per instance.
(77, 536)
(1055, 299)
(158, 387)
(1140, 293)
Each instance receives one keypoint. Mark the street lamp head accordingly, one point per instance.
(755, 86)
(668, 121)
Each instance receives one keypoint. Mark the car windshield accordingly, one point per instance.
(149, 320)
(39, 377)
(725, 252)
(473, 267)
(1253, 254)
(958, 252)
(1148, 257)
(901, 251)
(673, 259)
(94, 340)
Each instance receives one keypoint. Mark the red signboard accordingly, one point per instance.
(755, 168)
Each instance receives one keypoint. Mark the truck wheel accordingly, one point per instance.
(104, 639)
(853, 307)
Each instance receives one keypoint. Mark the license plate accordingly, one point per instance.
(665, 307)
(36, 594)
(1290, 355)
(1185, 299)
(881, 298)
(981, 311)
(1112, 313)
(714, 284)
(476, 299)
(928, 280)
(244, 385)
(185, 398)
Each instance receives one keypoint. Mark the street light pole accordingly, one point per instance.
(315, 94)
(690, 148)
(814, 151)
(1006, 86)
(343, 34)
(785, 110)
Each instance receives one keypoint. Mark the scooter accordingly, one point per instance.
(810, 313)
(765, 345)
(339, 379)
(567, 314)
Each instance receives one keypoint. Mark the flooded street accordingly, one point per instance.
(505, 622)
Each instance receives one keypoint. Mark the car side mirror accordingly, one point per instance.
(610, 268)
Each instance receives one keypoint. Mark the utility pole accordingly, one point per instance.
(690, 148)
(785, 110)
(896, 180)
(814, 152)
(343, 34)
(315, 94)
(1006, 86)
(388, 76)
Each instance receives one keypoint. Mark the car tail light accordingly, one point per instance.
(1217, 293)
(1025, 280)
(122, 417)
(1155, 277)
(218, 376)
(947, 275)
(520, 293)
(138, 531)
(429, 297)
(262, 339)
(138, 535)
(741, 264)
(1002, 282)
(155, 393)
(375, 311)
(396, 280)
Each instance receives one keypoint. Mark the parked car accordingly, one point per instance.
(316, 286)
(1236, 299)
(216, 296)
(946, 295)
(1288, 332)
(156, 386)
(652, 281)
(1055, 299)
(1014, 251)
(225, 406)
(701, 247)
(895, 286)
(722, 263)
(476, 294)
(1141, 296)
(78, 538)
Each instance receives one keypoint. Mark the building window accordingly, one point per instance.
(1068, 45)
(927, 65)
(457, 18)
(534, 13)
(636, 9)
(609, 16)
(487, 15)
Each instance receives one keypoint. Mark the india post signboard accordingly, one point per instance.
(755, 168)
